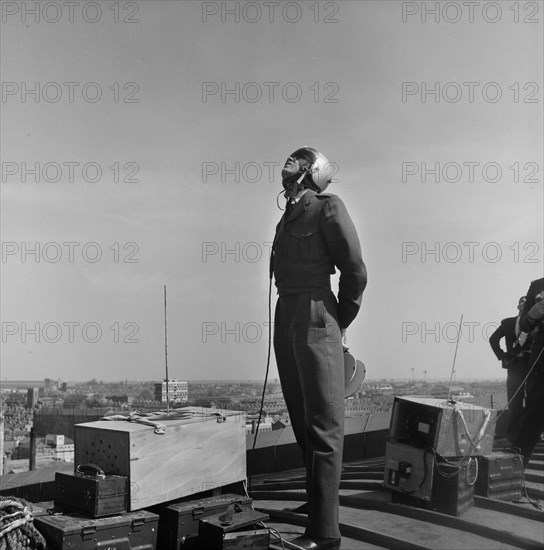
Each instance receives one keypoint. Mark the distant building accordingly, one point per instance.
(31, 397)
(279, 424)
(49, 449)
(120, 400)
(62, 449)
(264, 426)
(1, 443)
(17, 421)
(51, 385)
(178, 391)
(60, 420)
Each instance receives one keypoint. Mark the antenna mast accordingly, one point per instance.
(455, 355)
(166, 355)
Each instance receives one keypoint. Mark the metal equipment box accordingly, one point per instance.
(178, 521)
(234, 530)
(416, 478)
(500, 476)
(129, 531)
(450, 428)
(453, 488)
(168, 457)
(409, 470)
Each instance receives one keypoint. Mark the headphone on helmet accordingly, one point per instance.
(317, 175)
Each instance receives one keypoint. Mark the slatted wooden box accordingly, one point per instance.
(92, 496)
(197, 452)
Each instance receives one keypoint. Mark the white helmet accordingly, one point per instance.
(319, 172)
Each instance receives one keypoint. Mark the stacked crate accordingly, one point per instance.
(138, 479)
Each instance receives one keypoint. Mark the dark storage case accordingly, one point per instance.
(452, 490)
(94, 495)
(128, 531)
(178, 523)
(500, 476)
(236, 529)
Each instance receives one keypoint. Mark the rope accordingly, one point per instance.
(17, 531)
(475, 443)
(535, 503)
(151, 419)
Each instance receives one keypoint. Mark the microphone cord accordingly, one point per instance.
(269, 349)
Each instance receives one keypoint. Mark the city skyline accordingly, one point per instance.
(245, 381)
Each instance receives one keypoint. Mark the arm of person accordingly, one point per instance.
(345, 249)
(495, 342)
(533, 310)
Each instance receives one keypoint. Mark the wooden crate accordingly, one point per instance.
(92, 496)
(196, 452)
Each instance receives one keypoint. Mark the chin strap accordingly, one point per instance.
(298, 182)
(303, 174)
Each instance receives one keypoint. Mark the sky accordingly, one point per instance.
(142, 145)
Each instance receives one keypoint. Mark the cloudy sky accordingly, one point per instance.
(142, 144)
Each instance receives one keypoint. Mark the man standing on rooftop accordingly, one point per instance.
(516, 360)
(532, 420)
(314, 236)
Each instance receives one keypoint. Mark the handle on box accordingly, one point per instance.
(90, 469)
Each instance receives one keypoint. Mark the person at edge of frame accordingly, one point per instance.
(315, 235)
(532, 419)
(516, 361)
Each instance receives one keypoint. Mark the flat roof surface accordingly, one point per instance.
(369, 519)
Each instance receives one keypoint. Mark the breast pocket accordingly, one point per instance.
(303, 233)
(305, 241)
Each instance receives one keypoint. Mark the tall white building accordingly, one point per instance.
(178, 391)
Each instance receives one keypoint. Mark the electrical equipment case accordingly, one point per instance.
(415, 478)
(198, 451)
(430, 451)
(409, 470)
(500, 476)
(179, 521)
(237, 529)
(451, 429)
(129, 531)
